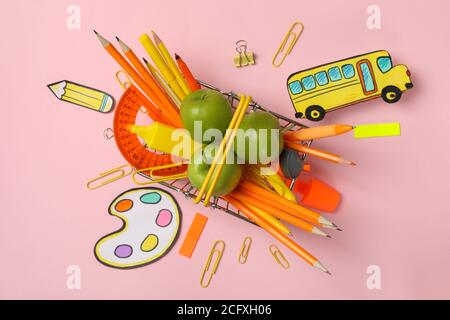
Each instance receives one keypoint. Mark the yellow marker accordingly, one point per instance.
(161, 65)
(172, 65)
(377, 130)
(164, 138)
(82, 96)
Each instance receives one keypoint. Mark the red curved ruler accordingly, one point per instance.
(128, 143)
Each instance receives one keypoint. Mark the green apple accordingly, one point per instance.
(248, 143)
(208, 106)
(200, 165)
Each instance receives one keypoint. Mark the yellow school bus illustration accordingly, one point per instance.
(335, 85)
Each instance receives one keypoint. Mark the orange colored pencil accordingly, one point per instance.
(159, 95)
(317, 153)
(279, 214)
(129, 70)
(318, 132)
(192, 82)
(302, 253)
(283, 204)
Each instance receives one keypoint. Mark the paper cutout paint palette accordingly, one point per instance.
(151, 221)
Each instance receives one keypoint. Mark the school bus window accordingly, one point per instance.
(308, 83)
(384, 63)
(295, 87)
(335, 74)
(367, 77)
(348, 70)
(322, 78)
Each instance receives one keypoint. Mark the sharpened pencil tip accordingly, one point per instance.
(95, 32)
(329, 272)
(117, 38)
(177, 56)
(155, 37)
(339, 229)
(352, 163)
(145, 60)
(328, 236)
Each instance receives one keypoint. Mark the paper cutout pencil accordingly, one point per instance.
(82, 96)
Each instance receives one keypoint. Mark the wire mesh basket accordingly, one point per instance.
(189, 191)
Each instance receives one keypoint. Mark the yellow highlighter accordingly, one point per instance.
(377, 130)
(82, 96)
(161, 65)
(167, 139)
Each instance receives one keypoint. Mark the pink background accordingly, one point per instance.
(395, 209)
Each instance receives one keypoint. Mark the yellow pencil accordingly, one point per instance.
(161, 65)
(270, 219)
(171, 63)
(162, 83)
(83, 96)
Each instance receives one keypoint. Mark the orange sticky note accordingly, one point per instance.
(193, 234)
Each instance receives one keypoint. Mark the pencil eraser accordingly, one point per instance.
(377, 130)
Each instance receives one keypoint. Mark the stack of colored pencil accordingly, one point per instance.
(165, 85)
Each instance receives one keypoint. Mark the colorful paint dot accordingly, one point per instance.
(124, 205)
(164, 218)
(123, 251)
(151, 198)
(149, 243)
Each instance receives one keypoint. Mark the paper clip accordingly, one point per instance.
(108, 133)
(279, 257)
(283, 45)
(206, 268)
(244, 58)
(157, 179)
(125, 83)
(243, 255)
(122, 170)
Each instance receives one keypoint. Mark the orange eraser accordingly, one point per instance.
(193, 234)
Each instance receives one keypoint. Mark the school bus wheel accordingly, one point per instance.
(391, 94)
(315, 113)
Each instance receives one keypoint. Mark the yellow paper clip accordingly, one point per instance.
(244, 58)
(122, 170)
(124, 84)
(157, 179)
(281, 49)
(206, 268)
(243, 255)
(279, 257)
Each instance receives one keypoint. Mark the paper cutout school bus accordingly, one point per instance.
(335, 85)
